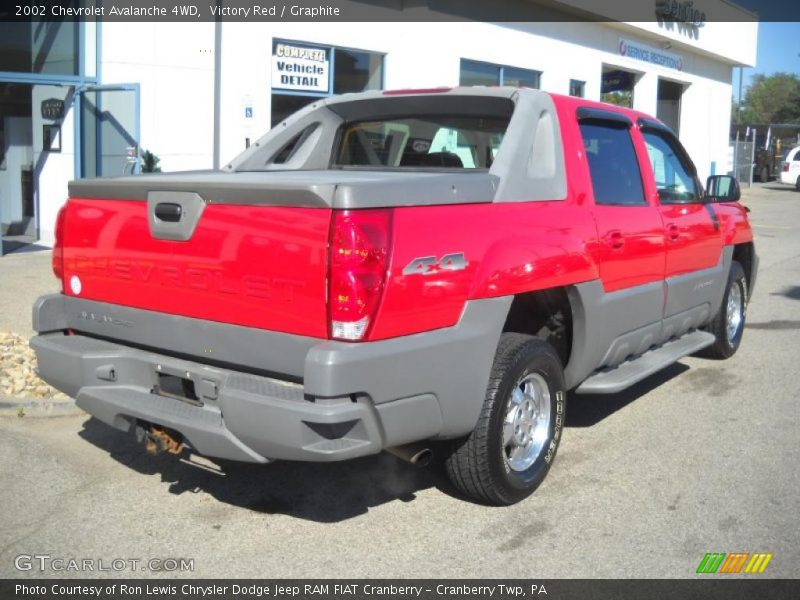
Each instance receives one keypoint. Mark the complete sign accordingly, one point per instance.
(649, 54)
(300, 68)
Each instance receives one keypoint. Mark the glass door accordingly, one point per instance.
(109, 130)
(17, 213)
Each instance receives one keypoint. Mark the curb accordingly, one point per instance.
(10, 407)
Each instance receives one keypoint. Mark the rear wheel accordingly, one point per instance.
(728, 325)
(797, 184)
(510, 451)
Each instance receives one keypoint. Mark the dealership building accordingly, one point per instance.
(87, 99)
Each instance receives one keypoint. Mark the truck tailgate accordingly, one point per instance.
(257, 266)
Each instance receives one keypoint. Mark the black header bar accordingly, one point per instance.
(692, 14)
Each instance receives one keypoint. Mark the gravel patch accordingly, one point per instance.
(18, 377)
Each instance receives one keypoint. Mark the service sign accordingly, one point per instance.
(649, 54)
(300, 68)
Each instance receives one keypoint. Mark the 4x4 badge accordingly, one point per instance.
(428, 265)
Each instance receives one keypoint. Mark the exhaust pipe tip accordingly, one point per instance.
(422, 458)
(418, 455)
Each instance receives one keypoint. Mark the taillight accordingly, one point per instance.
(785, 166)
(58, 246)
(359, 261)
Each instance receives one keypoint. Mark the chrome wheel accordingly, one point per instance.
(735, 312)
(527, 422)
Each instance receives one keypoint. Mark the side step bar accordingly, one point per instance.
(610, 381)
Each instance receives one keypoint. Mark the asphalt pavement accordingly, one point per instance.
(703, 457)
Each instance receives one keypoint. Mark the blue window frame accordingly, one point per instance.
(53, 70)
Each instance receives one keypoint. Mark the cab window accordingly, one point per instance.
(674, 177)
(614, 169)
(441, 142)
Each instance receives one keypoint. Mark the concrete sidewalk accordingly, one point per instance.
(25, 276)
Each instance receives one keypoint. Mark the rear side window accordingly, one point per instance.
(616, 178)
(439, 142)
(290, 148)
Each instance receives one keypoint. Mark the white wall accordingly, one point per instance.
(729, 32)
(52, 169)
(174, 65)
(731, 42)
(561, 51)
(173, 62)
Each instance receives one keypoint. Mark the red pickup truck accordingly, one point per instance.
(393, 270)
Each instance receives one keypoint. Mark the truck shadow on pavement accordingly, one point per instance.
(585, 410)
(777, 187)
(792, 292)
(321, 492)
(324, 492)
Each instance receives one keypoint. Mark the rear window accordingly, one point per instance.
(419, 142)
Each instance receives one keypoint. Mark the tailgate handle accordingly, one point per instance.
(173, 215)
(169, 212)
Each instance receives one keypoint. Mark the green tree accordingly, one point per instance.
(772, 99)
(150, 162)
(618, 98)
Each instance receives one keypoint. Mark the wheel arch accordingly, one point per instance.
(545, 314)
(744, 254)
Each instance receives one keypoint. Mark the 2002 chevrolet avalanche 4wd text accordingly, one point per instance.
(389, 270)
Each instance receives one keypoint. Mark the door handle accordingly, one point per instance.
(615, 239)
(673, 233)
(169, 212)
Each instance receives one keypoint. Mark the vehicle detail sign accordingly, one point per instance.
(300, 68)
(649, 54)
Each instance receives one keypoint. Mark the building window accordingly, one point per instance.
(46, 47)
(303, 73)
(477, 73)
(356, 71)
(617, 86)
(474, 72)
(577, 88)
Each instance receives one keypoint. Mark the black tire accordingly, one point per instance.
(797, 184)
(478, 465)
(726, 345)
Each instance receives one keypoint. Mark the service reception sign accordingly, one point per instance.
(649, 54)
(300, 68)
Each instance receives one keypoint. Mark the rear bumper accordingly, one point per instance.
(789, 177)
(242, 417)
(355, 399)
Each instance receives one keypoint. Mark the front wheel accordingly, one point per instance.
(728, 324)
(510, 451)
(797, 184)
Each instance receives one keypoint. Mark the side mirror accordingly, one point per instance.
(722, 188)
